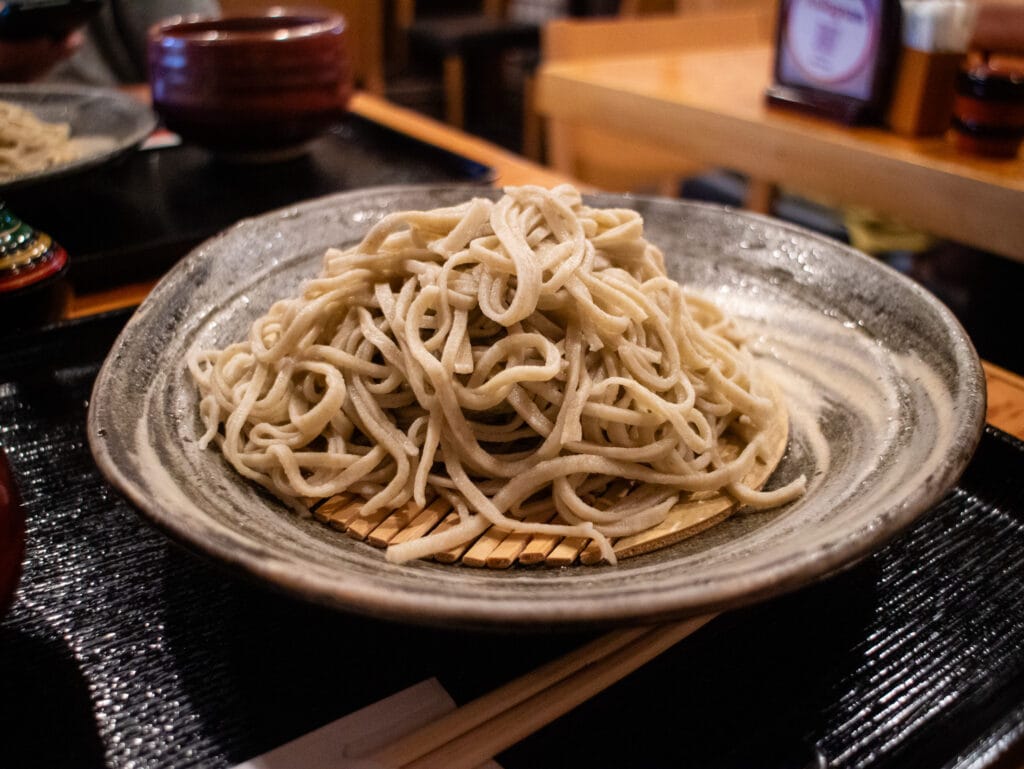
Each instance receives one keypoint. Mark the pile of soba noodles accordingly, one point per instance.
(28, 144)
(502, 355)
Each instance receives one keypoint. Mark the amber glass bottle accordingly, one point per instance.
(989, 110)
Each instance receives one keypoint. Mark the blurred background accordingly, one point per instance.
(473, 64)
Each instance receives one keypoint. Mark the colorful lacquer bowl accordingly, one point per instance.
(33, 270)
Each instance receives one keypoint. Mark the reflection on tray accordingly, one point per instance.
(131, 221)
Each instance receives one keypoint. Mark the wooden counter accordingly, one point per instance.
(709, 105)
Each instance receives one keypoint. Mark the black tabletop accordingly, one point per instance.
(131, 220)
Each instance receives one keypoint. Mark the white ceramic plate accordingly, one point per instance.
(885, 391)
(106, 123)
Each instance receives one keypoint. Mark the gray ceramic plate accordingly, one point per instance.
(107, 123)
(885, 391)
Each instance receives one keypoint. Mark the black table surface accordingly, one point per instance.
(131, 220)
(123, 650)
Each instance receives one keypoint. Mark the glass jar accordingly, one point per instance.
(989, 110)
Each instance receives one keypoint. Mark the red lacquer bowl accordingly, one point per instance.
(12, 536)
(251, 85)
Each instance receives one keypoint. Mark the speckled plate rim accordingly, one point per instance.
(790, 571)
(28, 95)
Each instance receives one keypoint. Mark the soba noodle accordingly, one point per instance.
(504, 355)
(28, 144)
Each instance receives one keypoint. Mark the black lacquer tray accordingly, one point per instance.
(122, 650)
(131, 220)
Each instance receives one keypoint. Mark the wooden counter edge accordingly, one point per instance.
(1005, 399)
(509, 168)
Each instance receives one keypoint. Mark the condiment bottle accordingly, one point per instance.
(989, 105)
(934, 44)
(989, 110)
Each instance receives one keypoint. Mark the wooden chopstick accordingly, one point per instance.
(479, 730)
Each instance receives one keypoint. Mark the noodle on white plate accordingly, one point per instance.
(504, 355)
(28, 144)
